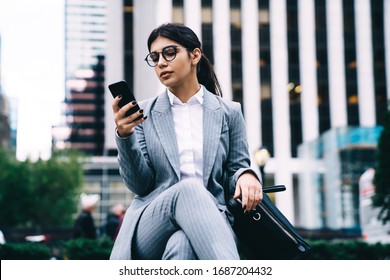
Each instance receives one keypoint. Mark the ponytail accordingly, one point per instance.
(206, 76)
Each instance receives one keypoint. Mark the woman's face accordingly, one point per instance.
(177, 71)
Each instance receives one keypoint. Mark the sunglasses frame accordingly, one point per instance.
(153, 63)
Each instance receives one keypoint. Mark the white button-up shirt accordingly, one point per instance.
(188, 121)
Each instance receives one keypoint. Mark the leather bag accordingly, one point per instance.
(265, 233)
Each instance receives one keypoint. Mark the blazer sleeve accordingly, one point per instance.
(238, 158)
(136, 173)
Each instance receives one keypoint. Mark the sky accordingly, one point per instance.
(32, 69)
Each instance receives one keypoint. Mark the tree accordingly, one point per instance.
(382, 173)
(39, 194)
(15, 191)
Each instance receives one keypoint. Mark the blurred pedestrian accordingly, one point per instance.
(84, 226)
(2, 239)
(114, 220)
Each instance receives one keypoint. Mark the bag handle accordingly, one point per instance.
(268, 189)
(276, 188)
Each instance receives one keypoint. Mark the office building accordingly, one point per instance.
(82, 125)
(312, 77)
(305, 72)
(82, 118)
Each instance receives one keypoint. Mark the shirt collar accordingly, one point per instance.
(197, 97)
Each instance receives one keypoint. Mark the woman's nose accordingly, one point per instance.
(161, 61)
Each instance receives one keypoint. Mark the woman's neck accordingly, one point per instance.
(185, 91)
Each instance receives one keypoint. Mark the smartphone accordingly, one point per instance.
(122, 88)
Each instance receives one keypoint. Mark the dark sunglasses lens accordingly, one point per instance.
(153, 57)
(169, 53)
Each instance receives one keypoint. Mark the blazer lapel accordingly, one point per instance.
(163, 122)
(212, 121)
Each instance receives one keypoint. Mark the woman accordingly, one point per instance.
(183, 159)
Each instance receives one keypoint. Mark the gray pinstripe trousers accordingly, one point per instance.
(183, 223)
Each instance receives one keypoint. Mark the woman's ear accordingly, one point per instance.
(196, 55)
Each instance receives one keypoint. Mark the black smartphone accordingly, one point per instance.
(123, 89)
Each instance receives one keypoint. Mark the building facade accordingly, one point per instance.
(82, 125)
(301, 69)
(307, 73)
(82, 117)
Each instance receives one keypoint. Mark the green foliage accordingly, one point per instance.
(88, 249)
(38, 194)
(382, 175)
(15, 191)
(348, 250)
(100, 249)
(24, 251)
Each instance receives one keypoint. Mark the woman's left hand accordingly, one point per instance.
(250, 190)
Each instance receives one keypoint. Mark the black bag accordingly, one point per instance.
(265, 233)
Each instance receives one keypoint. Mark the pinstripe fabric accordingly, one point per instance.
(149, 165)
(190, 207)
(179, 248)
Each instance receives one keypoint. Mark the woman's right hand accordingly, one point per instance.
(125, 125)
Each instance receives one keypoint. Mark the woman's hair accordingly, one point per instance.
(188, 39)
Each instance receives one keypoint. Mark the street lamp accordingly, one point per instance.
(262, 155)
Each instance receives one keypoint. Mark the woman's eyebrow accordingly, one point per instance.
(165, 47)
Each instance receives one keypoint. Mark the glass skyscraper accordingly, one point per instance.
(82, 124)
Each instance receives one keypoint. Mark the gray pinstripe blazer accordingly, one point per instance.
(149, 159)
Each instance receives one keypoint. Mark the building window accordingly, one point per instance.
(265, 76)
(322, 66)
(236, 50)
(178, 11)
(377, 19)
(207, 30)
(294, 77)
(350, 62)
(128, 42)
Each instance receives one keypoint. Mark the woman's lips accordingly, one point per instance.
(165, 74)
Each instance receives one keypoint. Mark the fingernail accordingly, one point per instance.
(141, 111)
(134, 102)
(119, 96)
(145, 117)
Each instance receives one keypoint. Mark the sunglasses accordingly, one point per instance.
(168, 53)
